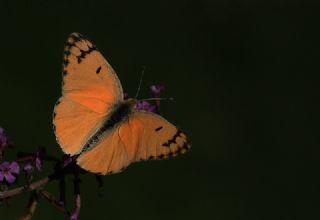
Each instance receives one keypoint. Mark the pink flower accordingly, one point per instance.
(7, 171)
(145, 106)
(41, 153)
(156, 90)
(28, 168)
(39, 163)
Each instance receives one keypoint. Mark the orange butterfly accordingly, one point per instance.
(93, 121)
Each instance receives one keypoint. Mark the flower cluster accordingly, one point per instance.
(33, 160)
(8, 170)
(144, 105)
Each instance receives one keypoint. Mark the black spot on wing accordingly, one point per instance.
(98, 70)
(84, 53)
(180, 150)
(76, 37)
(173, 139)
(159, 128)
(66, 62)
(68, 46)
(67, 52)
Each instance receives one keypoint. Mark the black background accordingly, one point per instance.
(244, 75)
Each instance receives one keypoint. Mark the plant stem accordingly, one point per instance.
(26, 188)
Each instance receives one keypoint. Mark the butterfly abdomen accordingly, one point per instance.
(119, 113)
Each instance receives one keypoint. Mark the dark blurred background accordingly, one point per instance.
(244, 75)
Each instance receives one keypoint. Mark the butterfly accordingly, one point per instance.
(93, 122)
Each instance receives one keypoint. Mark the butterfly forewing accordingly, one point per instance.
(90, 89)
(88, 77)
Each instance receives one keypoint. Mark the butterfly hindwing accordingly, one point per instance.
(108, 156)
(90, 89)
(156, 138)
(142, 136)
(73, 125)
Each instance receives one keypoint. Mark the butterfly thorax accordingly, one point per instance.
(131, 102)
(118, 114)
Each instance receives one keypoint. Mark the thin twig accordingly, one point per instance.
(25, 188)
(62, 189)
(76, 211)
(76, 189)
(31, 207)
(100, 184)
(55, 202)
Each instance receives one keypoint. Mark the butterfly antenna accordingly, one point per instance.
(158, 99)
(142, 73)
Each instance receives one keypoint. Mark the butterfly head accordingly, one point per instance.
(131, 102)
